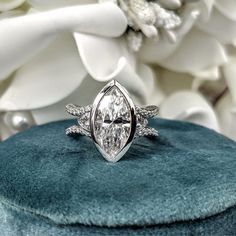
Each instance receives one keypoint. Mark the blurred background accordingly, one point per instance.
(177, 54)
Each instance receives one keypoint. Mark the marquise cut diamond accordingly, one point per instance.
(112, 122)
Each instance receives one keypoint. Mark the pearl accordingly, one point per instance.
(19, 120)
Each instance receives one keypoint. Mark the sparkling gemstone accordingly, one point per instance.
(112, 122)
(84, 122)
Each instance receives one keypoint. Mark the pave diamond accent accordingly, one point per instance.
(112, 122)
(84, 121)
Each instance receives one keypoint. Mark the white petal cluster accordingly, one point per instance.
(149, 18)
(183, 58)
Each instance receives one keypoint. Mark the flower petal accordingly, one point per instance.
(171, 81)
(153, 51)
(12, 13)
(229, 70)
(191, 107)
(46, 79)
(133, 82)
(103, 57)
(7, 5)
(5, 132)
(105, 20)
(228, 8)
(83, 95)
(201, 76)
(45, 4)
(154, 94)
(219, 26)
(227, 116)
(170, 4)
(207, 74)
(198, 51)
(206, 8)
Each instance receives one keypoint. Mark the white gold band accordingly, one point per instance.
(113, 121)
(83, 115)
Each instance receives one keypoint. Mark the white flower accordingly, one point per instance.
(205, 53)
(71, 67)
(66, 67)
(47, 65)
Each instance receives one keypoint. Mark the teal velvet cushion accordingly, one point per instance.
(183, 182)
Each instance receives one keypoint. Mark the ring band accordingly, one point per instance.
(113, 121)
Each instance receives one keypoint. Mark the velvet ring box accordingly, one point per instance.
(181, 183)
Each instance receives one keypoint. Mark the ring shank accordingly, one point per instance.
(83, 114)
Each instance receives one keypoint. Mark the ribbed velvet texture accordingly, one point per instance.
(183, 182)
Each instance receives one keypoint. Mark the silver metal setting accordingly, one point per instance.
(113, 121)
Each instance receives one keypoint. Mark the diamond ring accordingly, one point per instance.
(112, 121)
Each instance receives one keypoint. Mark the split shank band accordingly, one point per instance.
(112, 121)
(82, 113)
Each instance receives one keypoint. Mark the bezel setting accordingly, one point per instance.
(113, 121)
(108, 88)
